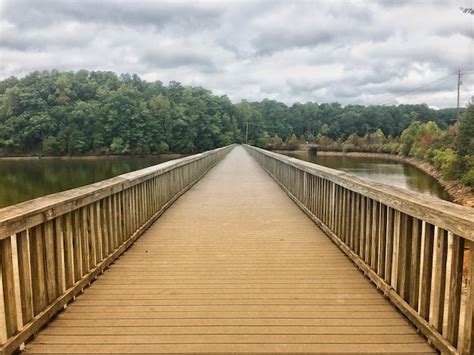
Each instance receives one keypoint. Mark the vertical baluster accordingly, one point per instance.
(50, 265)
(374, 235)
(98, 223)
(415, 250)
(381, 239)
(60, 254)
(368, 231)
(104, 227)
(362, 228)
(352, 223)
(356, 223)
(468, 329)
(24, 272)
(439, 279)
(389, 232)
(69, 250)
(339, 209)
(77, 245)
(8, 286)
(332, 216)
(38, 269)
(342, 233)
(120, 217)
(85, 240)
(90, 220)
(396, 239)
(455, 288)
(124, 213)
(404, 255)
(426, 271)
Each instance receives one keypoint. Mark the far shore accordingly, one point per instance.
(458, 192)
(89, 157)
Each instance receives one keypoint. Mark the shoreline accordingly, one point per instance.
(459, 193)
(88, 157)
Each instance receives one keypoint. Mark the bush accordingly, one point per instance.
(468, 178)
(293, 143)
(447, 161)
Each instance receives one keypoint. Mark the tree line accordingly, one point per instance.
(99, 112)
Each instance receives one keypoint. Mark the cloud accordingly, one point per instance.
(354, 52)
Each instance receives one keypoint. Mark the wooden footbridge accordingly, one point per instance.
(313, 260)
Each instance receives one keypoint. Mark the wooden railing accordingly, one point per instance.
(52, 247)
(413, 247)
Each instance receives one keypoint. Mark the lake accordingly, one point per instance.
(387, 171)
(25, 179)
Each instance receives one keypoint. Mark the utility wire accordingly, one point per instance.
(437, 82)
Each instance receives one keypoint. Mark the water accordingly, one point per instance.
(387, 171)
(25, 179)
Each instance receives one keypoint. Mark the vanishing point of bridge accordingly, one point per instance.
(234, 265)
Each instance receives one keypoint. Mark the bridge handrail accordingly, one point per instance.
(52, 247)
(412, 246)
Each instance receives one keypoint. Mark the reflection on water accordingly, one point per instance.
(382, 170)
(25, 179)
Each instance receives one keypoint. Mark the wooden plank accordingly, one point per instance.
(24, 273)
(439, 279)
(69, 263)
(8, 286)
(468, 326)
(77, 245)
(50, 264)
(235, 348)
(381, 228)
(389, 245)
(415, 266)
(426, 271)
(38, 274)
(60, 255)
(97, 231)
(455, 288)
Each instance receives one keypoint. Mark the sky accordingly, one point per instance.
(352, 52)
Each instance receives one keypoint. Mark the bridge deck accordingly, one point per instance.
(232, 266)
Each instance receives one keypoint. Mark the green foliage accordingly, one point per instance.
(59, 113)
(447, 161)
(292, 143)
(276, 142)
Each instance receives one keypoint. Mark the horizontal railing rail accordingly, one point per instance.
(417, 249)
(52, 247)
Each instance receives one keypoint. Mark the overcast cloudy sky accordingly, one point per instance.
(366, 52)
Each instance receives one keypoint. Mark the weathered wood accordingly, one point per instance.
(455, 287)
(389, 245)
(38, 275)
(50, 264)
(24, 274)
(439, 279)
(72, 243)
(271, 286)
(415, 250)
(7, 278)
(449, 216)
(25, 215)
(69, 264)
(426, 271)
(398, 245)
(468, 326)
(60, 255)
(77, 245)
